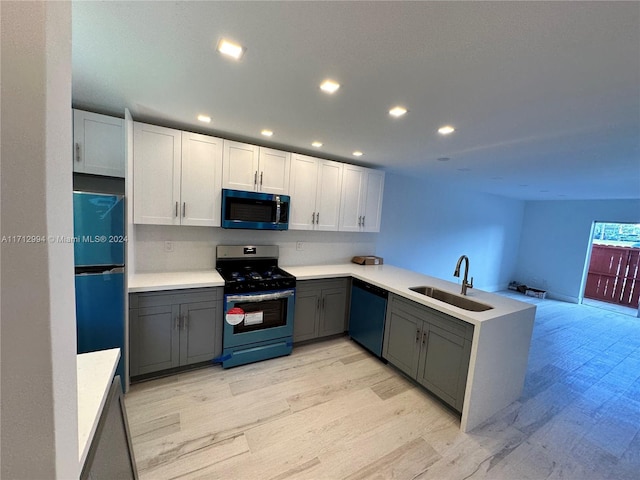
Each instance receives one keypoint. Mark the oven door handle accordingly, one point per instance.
(260, 297)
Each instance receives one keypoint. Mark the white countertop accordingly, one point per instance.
(95, 375)
(394, 279)
(398, 280)
(149, 282)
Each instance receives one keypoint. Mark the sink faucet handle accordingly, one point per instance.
(470, 284)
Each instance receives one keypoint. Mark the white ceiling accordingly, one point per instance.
(545, 96)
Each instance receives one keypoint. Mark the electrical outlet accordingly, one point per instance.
(299, 246)
(168, 246)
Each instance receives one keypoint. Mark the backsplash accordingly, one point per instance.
(194, 247)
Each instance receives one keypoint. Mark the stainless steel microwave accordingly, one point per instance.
(255, 210)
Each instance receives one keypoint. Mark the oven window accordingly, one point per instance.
(274, 314)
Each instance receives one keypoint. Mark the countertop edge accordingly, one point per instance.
(162, 281)
(95, 375)
(391, 278)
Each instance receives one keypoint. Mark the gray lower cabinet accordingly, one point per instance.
(174, 328)
(429, 346)
(321, 308)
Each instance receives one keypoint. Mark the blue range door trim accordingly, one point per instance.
(261, 344)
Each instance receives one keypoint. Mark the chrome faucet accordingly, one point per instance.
(465, 284)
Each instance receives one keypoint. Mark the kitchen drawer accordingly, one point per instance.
(442, 320)
(171, 297)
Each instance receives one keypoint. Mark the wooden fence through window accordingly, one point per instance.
(614, 275)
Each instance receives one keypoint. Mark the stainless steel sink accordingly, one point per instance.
(452, 299)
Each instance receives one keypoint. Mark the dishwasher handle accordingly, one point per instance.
(373, 289)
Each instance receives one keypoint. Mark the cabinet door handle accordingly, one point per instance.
(424, 336)
(313, 218)
(177, 208)
(363, 220)
(261, 173)
(177, 324)
(185, 321)
(417, 335)
(324, 302)
(318, 218)
(255, 178)
(318, 304)
(184, 209)
(360, 220)
(77, 152)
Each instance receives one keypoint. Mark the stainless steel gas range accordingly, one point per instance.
(259, 301)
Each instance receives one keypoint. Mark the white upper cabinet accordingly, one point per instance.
(361, 199)
(315, 193)
(373, 201)
(252, 168)
(201, 185)
(239, 166)
(176, 177)
(156, 174)
(274, 166)
(98, 144)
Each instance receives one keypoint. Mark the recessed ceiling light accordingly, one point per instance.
(329, 86)
(446, 130)
(397, 111)
(230, 49)
(357, 153)
(444, 159)
(204, 118)
(316, 144)
(267, 133)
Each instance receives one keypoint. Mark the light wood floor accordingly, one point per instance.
(332, 411)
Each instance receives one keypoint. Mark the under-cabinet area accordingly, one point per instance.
(174, 328)
(321, 308)
(429, 347)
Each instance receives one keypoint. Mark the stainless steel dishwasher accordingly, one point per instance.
(366, 320)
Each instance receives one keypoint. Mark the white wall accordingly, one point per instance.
(426, 227)
(194, 247)
(555, 241)
(39, 418)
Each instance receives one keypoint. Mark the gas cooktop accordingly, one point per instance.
(249, 269)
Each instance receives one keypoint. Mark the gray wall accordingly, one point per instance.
(555, 241)
(427, 226)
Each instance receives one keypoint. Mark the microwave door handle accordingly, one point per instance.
(278, 207)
